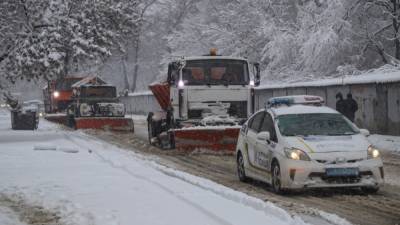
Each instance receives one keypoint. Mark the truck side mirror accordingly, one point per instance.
(257, 76)
(169, 79)
(172, 71)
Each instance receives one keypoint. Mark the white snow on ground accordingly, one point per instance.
(99, 183)
(386, 142)
(8, 217)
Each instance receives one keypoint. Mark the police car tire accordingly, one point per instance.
(276, 174)
(240, 168)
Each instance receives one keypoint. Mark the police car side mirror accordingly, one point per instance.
(365, 132)
(263, 136)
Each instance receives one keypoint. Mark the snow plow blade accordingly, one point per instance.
(106, 123)
(57, 118)
(219, 139)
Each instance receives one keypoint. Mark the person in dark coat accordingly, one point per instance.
(351, 107)
(340, 104)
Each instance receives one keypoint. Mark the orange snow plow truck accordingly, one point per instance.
(93, 104)
(57, 94)
(204, 101)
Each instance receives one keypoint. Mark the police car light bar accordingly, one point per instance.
(295, 100)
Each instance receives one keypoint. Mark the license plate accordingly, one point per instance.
(341, 172)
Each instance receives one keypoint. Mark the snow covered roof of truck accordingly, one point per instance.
(211, 57)
(92, 80)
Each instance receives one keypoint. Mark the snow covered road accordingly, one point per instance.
(352, 205)
(87, 181)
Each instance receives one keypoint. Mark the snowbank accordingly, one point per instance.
(102, 184)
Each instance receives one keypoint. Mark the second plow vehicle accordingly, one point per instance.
(85, 103)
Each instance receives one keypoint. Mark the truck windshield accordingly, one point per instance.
(98, 92)
(215, 72)
(326, 124)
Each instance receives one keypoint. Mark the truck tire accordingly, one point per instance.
(150, 127)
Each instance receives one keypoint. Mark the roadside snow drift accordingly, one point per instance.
(88, 181)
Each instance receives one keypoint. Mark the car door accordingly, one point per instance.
(251, 135)
(264, 149)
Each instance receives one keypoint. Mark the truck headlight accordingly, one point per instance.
(373, 152)
(56, 94)
(296, 154)
(181, 84)
(120, 109)
(84, 109)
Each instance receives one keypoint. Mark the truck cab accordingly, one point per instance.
(203, 98)
(96, 101)
(212, 90)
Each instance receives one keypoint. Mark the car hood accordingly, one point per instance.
(325, 144)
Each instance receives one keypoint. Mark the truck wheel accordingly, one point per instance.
(150, 131)
(370, 190)
(150, 127)
(167, 140)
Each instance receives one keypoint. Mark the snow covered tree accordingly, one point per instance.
(379, 31)
(54, 38)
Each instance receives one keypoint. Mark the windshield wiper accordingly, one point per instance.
(296, 135)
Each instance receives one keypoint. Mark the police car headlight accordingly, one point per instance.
(373, 152)
(296, 154)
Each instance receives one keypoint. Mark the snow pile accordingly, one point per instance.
(8, 217)
(103, 185)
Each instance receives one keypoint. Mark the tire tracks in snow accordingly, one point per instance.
(164, 188)
(383, 208)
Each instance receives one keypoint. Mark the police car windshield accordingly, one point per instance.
(324, 124)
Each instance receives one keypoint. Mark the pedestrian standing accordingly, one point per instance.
(351, 107)
(340, 104)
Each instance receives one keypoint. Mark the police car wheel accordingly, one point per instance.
(276, 178)
(240, 168)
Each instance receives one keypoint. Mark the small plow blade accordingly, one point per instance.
(106, 123)
(216, 139)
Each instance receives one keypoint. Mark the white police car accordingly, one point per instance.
(297, 143)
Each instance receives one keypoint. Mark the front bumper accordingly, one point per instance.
(312, 174)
